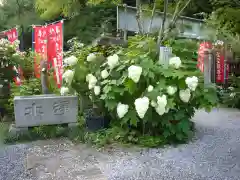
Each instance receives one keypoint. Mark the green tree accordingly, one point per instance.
(51, 9)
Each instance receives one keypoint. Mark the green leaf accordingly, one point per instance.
(166, 133)
(153, 95)
(131, 117)
(110, 104)
(131, 86)
(107, 89)
(171, 104)
(184, 125)
(167, 72)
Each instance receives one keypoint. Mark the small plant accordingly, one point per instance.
(29, 87)
(231, 95)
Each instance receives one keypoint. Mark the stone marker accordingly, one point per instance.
(49, 109)
(164, 55)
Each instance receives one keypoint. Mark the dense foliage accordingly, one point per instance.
(142, 97)
(230, 96)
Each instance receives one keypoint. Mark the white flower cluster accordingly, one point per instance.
(171, 90)
(113, 61)
(219, 42)
(141, 106)
(150, 88)
(185, 95)
(70, 61)
(134, 73)
(4, 42)
(175, 62)
(161, 105)
(97, 90)
(91, 57)
(122, 109)
(92, 81)
(64, 91)
(192, 82)
(104, 74)
(68, 76)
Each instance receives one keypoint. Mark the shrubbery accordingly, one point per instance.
(143, 98)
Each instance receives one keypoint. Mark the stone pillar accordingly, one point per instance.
(44, 77)
(208, 59)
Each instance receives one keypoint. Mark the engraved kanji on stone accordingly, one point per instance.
(34, 110)
(60, 107)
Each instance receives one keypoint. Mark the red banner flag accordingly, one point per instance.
(55, 50)
(12, 34)
(203, 46)
(220, 65)
(40, 47)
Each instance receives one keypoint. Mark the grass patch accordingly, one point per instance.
(3, 132)
(43, 133)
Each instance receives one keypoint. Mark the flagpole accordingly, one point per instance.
(56, 21)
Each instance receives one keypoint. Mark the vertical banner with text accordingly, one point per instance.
(12, 36)
(55, 50)
(40, 47)
(220, 65)
(201, 51)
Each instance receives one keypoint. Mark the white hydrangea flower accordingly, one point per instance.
(141, 106)
(112, 61)
(104, 74)
(232, 95)
(68, 76)
(1, 86)
(97, 90)
(122, 110)
(17, 42)
(175, 62)
(92, 81)
(88, 77)
(192, 82)
(150, 88)
(64, 91)
(153, 104)
(91, 57)
(185, 95)
(134, 73)
(171, 90)
(161, 104)
(71, 61)
(162, 100)
(160, 109)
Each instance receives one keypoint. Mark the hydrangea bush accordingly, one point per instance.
(141, 95)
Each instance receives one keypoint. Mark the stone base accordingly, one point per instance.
(13, 130)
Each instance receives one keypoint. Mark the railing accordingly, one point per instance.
(187, 27)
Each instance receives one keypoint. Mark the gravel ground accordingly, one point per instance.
(213, 155)
(12, 163)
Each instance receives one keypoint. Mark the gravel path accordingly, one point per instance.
(213, 155)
